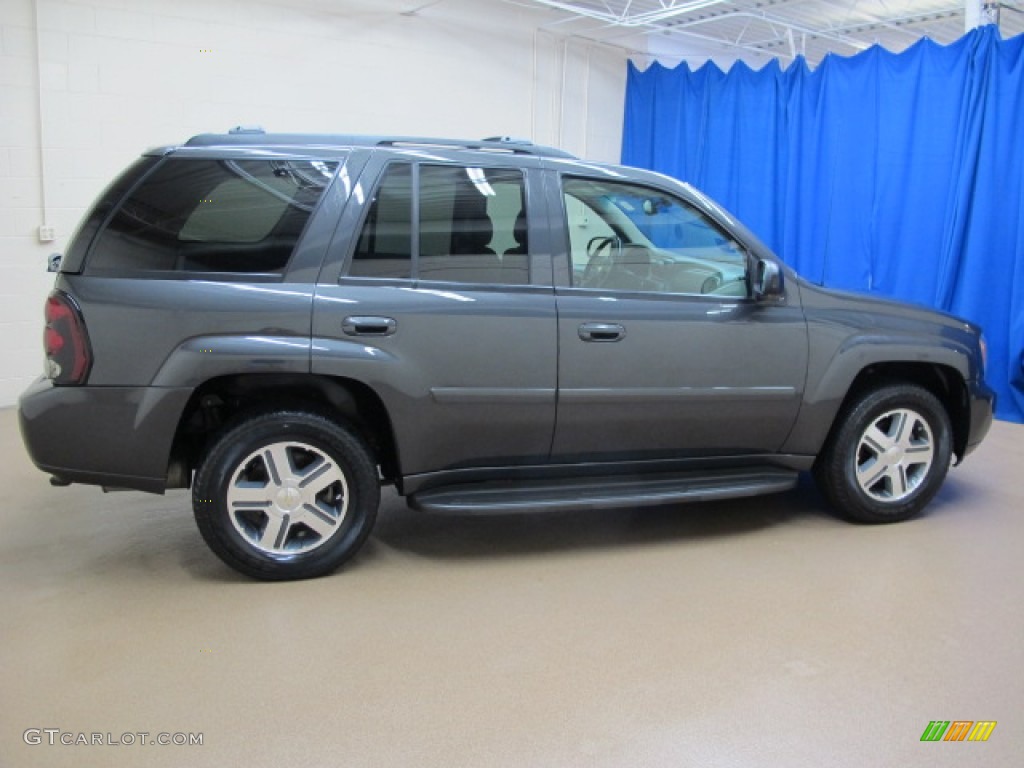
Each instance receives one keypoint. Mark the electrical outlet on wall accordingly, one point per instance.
(47, 233)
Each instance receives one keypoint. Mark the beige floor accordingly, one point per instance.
(756, 633)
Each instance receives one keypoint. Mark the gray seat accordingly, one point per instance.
(515, 266)
(470, 258)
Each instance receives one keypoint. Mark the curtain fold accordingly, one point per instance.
(895, 174)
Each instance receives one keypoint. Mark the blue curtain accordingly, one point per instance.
(895, 174)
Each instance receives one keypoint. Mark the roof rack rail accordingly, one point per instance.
(496, 144)
(510, 140)
(254, 136)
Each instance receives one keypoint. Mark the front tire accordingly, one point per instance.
(286, 495)
(888, 456)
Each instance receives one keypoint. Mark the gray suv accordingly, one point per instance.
(284, 323)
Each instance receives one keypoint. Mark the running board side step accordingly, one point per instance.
(494, 498)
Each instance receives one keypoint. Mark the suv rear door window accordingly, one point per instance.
(472, 226)
(199, 215)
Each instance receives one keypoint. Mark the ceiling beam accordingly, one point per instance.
(625, 19)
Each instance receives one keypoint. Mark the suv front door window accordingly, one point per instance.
(627, 237)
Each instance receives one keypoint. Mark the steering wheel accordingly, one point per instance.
(600, 263)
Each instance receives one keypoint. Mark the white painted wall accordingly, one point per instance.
(86, 85)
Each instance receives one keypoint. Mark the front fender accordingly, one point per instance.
(831, 376)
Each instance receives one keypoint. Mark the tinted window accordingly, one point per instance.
(468, 225)
(472, 226)
(384, 248)
(103, 207)
(213, 216)
(626, 237)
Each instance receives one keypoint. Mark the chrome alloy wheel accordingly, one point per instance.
(894, 455)
(287, 498)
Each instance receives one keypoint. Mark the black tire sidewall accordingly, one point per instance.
(838, 475)
(240, 440)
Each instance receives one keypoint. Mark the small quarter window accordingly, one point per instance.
(384, 248)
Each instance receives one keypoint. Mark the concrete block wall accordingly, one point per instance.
(86, 85)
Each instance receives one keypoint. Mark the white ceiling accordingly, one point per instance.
(759, 30)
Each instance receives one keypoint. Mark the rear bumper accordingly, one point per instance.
(115, 436)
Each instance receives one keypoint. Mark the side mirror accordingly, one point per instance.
(768, 281)
(53, 262)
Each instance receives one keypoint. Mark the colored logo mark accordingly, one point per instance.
(958, 730)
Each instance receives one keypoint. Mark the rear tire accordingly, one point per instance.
(888, 455)
(286, 495)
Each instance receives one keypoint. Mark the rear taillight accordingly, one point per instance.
(68, 356)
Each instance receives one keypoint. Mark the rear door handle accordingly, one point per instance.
(369, 326)
(602, 332)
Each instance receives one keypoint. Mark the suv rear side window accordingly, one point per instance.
(205, 215)
(472, 226)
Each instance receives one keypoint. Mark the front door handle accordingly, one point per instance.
(602, 332)
(369, 326)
